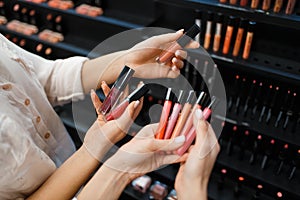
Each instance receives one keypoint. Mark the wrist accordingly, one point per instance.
(186, 192)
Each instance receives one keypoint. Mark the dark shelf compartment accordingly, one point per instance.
(264, 176)
(279, 68)
(98, 19)
(277, 19)
(67, 47)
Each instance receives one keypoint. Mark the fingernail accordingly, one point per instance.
(199, 114)
(103, 83)
(174, 68)
(181, 30)
(92, 91)
(179, 139)
(136, 104)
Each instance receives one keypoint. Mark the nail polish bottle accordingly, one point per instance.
(207, 36)
(249, 38)
(167, 55)
(218, 32)
(228, 35)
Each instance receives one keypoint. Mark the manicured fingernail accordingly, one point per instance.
(180, 139)
(181, 30)
(136, 104)
(199, 114)
(174, 68)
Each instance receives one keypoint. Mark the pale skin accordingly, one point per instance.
(67, 179)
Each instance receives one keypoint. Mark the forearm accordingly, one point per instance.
(67, 180)
(104, 68)
(198, 191)
(107, 183)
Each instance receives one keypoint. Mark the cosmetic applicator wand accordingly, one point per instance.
(192, 133)
(180, 43)
(119, 109)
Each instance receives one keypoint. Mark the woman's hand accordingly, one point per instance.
(142, 57)
(144, 153)
(102, 134)
(197, 168)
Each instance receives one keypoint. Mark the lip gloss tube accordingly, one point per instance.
(249, 39)
(198, 105)
(217, 38)
(160, 132)
(228, 36)
(208, 30)
(254, 4)
(239, 37)
(119, 109)
(167, 54)
(116, 89)
(192, 133)
(266, 5)
(198, 22)
(243, 2)
(186, 110)
(277, 6)
(290, 7)
(174, 115)
(233, 2)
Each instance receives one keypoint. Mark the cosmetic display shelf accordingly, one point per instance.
(66, 47)
(290, 21)
(277, 133)
(265, 176)
(270, 66)
(101, 19)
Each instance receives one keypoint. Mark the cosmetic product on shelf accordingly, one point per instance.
(249, 39)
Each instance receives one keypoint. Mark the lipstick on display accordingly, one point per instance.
(277, 6)
(228, 35)
(290, 111)
(272, 105)
(218, 32)
(282, 156)
(249, 98)
(267, 99)
(192, 133)
(167, 54)
(207, 36)
(290, 7)
(174, 115)
(119, 109)
(239, 37)
(256, 100)
(185, 112)
(266, 4)
(295, 165)
(269, 148)
(257, 145)
(283, 108)
(160, 132)
(254, 4)
(116, 90)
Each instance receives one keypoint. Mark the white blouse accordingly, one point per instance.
(33, 140)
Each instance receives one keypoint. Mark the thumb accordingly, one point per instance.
(167, 38)
(200, 125)
(167, 145)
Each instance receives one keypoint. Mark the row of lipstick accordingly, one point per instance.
(262, 102)
(241, 27)
(40, 48)
(266, 5)
(260, 149)
(171, 124)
